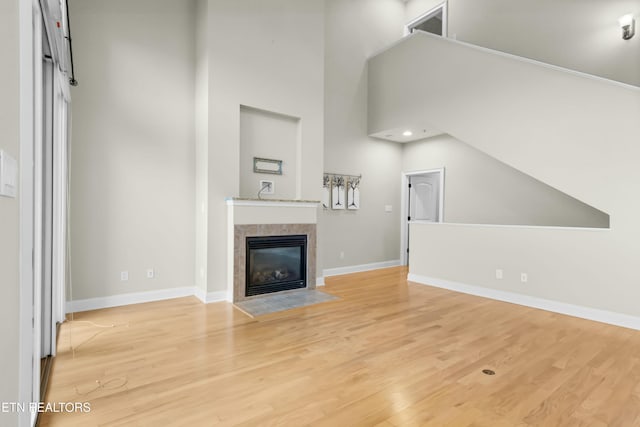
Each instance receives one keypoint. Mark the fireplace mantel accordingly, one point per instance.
(266, 217)
(241, 201)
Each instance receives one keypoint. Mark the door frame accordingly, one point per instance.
(29, 13)
(404, 207)
(32, 25)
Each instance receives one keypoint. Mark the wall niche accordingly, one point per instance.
(269, 135)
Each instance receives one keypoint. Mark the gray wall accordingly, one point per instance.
(202, 142)
(9, 211)
(132, 192)
(581, 35)
(370, 234)
(481, 190)
(267, 55)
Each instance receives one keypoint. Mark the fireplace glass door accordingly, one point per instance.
(276, 263)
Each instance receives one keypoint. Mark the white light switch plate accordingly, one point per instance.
(388, 208)
(8, 175)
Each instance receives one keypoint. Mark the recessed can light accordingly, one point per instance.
(407, 133)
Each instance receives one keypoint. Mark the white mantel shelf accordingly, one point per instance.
(241, 201)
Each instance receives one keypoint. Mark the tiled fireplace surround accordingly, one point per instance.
(253, 218)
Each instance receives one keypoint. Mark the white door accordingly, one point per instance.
(424, 197)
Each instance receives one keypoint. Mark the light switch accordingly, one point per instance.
(388, 208)
(8, 175)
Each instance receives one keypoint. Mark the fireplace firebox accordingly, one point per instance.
(275, 263)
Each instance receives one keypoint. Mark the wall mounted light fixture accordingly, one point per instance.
(628, 25)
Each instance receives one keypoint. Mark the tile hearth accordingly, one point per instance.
(266, 304)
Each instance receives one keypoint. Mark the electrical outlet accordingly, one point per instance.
(342, 255)
(388, 208)
(124, 276)
(524, 277)
(151, 273)
(267, 187)
(499, 274)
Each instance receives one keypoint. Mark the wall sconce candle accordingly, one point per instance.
(628, 25)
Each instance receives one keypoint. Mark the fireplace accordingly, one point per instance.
(275, 263)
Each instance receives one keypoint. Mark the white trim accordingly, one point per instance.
(299, 152)
(201, 294)
(506, 55)
(319, 281)
(537, 227)
(77, 306)
(428, 14)
(26, 345)
(603, 316)
(38, 192)
(210, 297)
(404, 200)
(217, 296)
(128, 299)
(327, 272)
(273, 203)
(60, 180)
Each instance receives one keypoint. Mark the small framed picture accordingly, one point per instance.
(353, 193)
(271, 166)
(338, 201)
(326, 192)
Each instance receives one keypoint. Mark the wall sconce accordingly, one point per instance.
(628, 25)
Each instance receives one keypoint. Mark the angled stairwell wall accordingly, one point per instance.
(482, 190)
(577, 133)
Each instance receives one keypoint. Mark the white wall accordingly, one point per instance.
(354, 31)
(482, 190)
(9, 211)
(267, 55)
(574, 133)
(271, 136)
(132, 201)
(575, 34)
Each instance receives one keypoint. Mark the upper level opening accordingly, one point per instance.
(433, 21)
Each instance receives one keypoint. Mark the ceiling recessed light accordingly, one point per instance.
(407, 133)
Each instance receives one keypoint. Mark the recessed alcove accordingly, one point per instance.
(270, 135)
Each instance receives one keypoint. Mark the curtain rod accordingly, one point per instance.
(72, 80)
(343, 174)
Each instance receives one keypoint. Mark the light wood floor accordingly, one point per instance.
(387, 354)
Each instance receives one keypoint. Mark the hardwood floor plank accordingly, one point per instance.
(388, 353)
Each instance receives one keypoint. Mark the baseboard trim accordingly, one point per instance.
(217, 296)
(602, 316)
(77, 306)
(201, 294)
(127, 299)
(359, 268)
